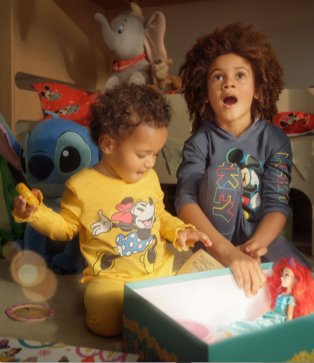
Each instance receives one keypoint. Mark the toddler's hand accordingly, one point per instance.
(189, 237)
(21, 208)
(27, 194)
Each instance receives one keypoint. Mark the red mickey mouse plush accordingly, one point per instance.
(295, 123)
(67, 102)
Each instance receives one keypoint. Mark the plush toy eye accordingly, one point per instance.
(121, 29)
(70, 159)
(72, 152)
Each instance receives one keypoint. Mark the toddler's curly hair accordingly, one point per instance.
(118, 111)
(243, 41)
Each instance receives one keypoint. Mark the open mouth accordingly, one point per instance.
(230, 100)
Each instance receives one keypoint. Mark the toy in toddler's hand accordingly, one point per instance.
(29, 197)
(291, 288)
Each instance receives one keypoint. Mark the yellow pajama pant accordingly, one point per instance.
(103, 301)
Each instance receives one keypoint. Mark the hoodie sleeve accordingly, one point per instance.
(277, 177)
(192, 167)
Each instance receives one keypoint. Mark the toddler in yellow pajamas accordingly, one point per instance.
(117, 206)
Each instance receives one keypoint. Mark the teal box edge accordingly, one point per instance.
(154, 335)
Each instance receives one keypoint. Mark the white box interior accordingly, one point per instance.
(210, 301)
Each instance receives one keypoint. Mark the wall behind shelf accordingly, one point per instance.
(289, 25)
(52, 39)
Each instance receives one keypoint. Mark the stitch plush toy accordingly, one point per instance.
(52, 151)
(133, 43)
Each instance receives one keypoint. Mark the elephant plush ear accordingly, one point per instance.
(155, 29)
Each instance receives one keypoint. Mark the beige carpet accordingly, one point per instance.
(68, 324)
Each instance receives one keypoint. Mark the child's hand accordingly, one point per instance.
(27, 194)
(247, 271)
(253, 249)
(22, 209)
(189, 237)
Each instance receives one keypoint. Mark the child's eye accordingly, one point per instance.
(218, 77)
(241, 75)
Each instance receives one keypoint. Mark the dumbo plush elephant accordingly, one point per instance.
(134, 44)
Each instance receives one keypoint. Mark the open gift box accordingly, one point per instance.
(178, 319)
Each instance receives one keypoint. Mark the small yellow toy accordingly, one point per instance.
(30, 198)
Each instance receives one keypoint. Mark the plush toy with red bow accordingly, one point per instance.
(134, 44)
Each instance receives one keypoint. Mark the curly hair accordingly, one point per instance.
(243, 41)
(117, 112)
(303, 290)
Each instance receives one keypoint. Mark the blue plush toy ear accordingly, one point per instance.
(9, 146)
(52, 114)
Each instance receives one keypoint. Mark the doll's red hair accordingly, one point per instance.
(303, 290)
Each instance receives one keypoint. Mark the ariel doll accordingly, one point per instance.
(291, 288)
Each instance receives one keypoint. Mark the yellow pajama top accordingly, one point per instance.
(123, 228)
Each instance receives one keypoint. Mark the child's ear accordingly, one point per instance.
(105, 144)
